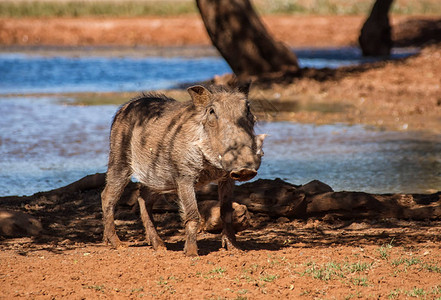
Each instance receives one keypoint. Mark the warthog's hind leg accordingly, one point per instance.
(225, 192)
(146, 201)
(109, 197)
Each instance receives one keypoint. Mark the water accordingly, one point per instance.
(347, 56)
(39, 73)
(353, 158)
(23, 74)
(45, 144)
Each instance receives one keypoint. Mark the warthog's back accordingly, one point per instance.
(158, 137)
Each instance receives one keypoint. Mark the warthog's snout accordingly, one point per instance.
(243, 174)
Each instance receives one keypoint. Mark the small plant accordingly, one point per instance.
(194, 261)
(333, 270)
(360, 281)
(242, 292)
(384, 250)
(135, 290)
(165, 284)
(219, 270)
(214, 273)
(269, 278)
(352, 296)
(95, 287)
(360, 267)
(431, 268)
(326, 272)
(161, 281)
(436, 290)
(416, 292)
(394, 294)
(406, 261)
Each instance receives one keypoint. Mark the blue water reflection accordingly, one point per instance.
(45, 145)
(24, 73)
(353, 157)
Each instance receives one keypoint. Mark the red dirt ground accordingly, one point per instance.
(306, 259)
(297, 31)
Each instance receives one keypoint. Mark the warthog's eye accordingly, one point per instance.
(212, 117)
(249, 113)
(248, 108)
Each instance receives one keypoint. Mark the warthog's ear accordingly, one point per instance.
(200, 95)
(243, 86)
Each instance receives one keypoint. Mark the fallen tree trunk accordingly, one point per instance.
(276, 198)
(279, 198)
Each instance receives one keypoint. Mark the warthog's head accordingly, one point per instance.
(228, 124)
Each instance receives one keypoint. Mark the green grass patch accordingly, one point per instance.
(416, 292)
(406, 261)
(21, 9)
(415, 261)
(343, 7)
(166, 284)
(384, 250)
(360, 281)
(130, 8)
(98, 288)
(431, 268)
(335, 270)
(218, 270)
(269, 278)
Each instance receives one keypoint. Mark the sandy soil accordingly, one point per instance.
(296, 31)
(315, 258)
(307, 259)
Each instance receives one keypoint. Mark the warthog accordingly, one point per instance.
(173, 147)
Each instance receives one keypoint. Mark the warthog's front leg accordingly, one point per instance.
(225, 192)
(190, 215)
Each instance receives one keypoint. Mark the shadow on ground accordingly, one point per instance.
(72, 220)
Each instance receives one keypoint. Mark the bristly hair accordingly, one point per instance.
(152, 95)
(239, 87)
(149, 96)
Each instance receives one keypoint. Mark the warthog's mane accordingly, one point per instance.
(153, 96)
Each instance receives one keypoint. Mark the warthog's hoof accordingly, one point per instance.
(158, 244)
(230, 244)
(114, 242)
(191, 249)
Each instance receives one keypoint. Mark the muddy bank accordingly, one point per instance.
(396, 95)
